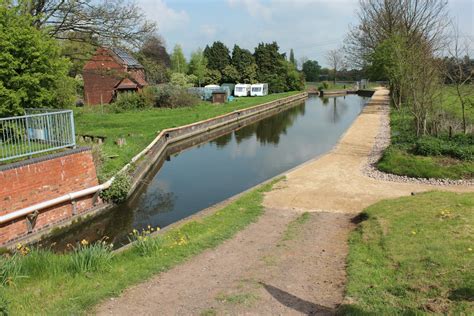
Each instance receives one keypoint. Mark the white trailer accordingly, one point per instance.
(242, 90)
(259, 90)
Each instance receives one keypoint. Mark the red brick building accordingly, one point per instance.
(110, 71)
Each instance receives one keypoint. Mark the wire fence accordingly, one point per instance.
(39, 131)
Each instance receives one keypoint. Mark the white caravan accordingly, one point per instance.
(242, 90)
(259, 90)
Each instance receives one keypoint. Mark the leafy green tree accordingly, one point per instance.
(292, 58)
(32, 72)
(294, 79)
(212, 77)
(178, 61)
(311, 70)
(198, 66)
(230, 74)
(271, 66)
(182, 80)
(244, 62)
(218, 56)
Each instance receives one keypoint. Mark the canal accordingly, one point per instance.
(201, 176)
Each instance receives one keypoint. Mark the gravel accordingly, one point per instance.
(382, 141)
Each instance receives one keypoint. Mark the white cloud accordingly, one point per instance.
(166, 18)
(208, 30)
(254, 7)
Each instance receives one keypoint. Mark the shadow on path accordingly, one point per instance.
(297, 303)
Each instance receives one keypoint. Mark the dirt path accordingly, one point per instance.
(281, 265)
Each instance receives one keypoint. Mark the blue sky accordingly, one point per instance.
(310, 27)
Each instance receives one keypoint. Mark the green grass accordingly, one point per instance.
(48, 285)
(294, 227)
(139, 128)
(237, 299)
(409, 155)
(413, 255)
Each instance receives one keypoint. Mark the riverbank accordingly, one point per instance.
(258, 271)
(137, 129)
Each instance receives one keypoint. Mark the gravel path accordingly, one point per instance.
(261, 271)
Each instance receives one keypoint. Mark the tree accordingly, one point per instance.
(311, 70)
(244, 62)
(292, 58)
(178, 61)
(212, 77)
(217, 56)
(112, 21)
(381, 19)
(294, 79)
(459, 70)
(335, 60)
(154, 48)
(198, 66)
(182, 80)
(32, 72)
(230, 74)
(271, 66)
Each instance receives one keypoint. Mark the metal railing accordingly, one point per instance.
(39, 131)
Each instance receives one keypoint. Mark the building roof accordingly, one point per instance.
(126, 58)
(126, 84)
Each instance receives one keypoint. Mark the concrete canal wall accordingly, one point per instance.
(32, 182)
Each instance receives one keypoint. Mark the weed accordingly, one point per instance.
(91, 258)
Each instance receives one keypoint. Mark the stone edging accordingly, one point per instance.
(382, 141)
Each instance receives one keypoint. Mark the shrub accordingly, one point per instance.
(144, 242)
(459, 147)
(118, 190)
(91, 258)
(323, 86)
(129, 101)
(10, 266)
(169, 96)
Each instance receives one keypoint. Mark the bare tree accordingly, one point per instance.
(459, 70)
(381, 19)
(336, 60)
(110, 21)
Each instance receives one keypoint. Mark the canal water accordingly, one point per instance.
(209, 173)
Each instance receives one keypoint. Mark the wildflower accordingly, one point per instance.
(84, 242)
(413, 232)
(469, 249)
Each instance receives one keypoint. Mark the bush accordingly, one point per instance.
(118, 190)
(91, 258)
(129, 101)
(169, 96)
(323, 86)
(458, 148)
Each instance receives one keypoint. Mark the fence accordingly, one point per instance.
(38, 131)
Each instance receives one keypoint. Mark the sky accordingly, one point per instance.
(310, 27)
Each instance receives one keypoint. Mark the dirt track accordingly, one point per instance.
(258, 272)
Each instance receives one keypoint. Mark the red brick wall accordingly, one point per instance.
(39, 181)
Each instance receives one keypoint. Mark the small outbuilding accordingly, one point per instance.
(109, 72)
(219, 96)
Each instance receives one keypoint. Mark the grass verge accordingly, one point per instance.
(139, 128)
(428, 156)
(413, 255)
(48, 285)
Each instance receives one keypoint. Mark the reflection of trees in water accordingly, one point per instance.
(269, 130)
(325, 101)
(222, 141)
(152, 203)
(338, 108)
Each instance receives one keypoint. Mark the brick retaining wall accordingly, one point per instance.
(37, 180)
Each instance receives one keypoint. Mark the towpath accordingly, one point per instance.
(266, 269)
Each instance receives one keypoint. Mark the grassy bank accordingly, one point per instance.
(428, 156)
(139, 128)
(72, 283)
(413, 255)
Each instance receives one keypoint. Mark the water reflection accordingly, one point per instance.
(211, 172)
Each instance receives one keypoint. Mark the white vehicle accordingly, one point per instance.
(242, 90)
(212, 86)
(259, 90)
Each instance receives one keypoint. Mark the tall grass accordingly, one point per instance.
(91, 258)
(10, 267)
